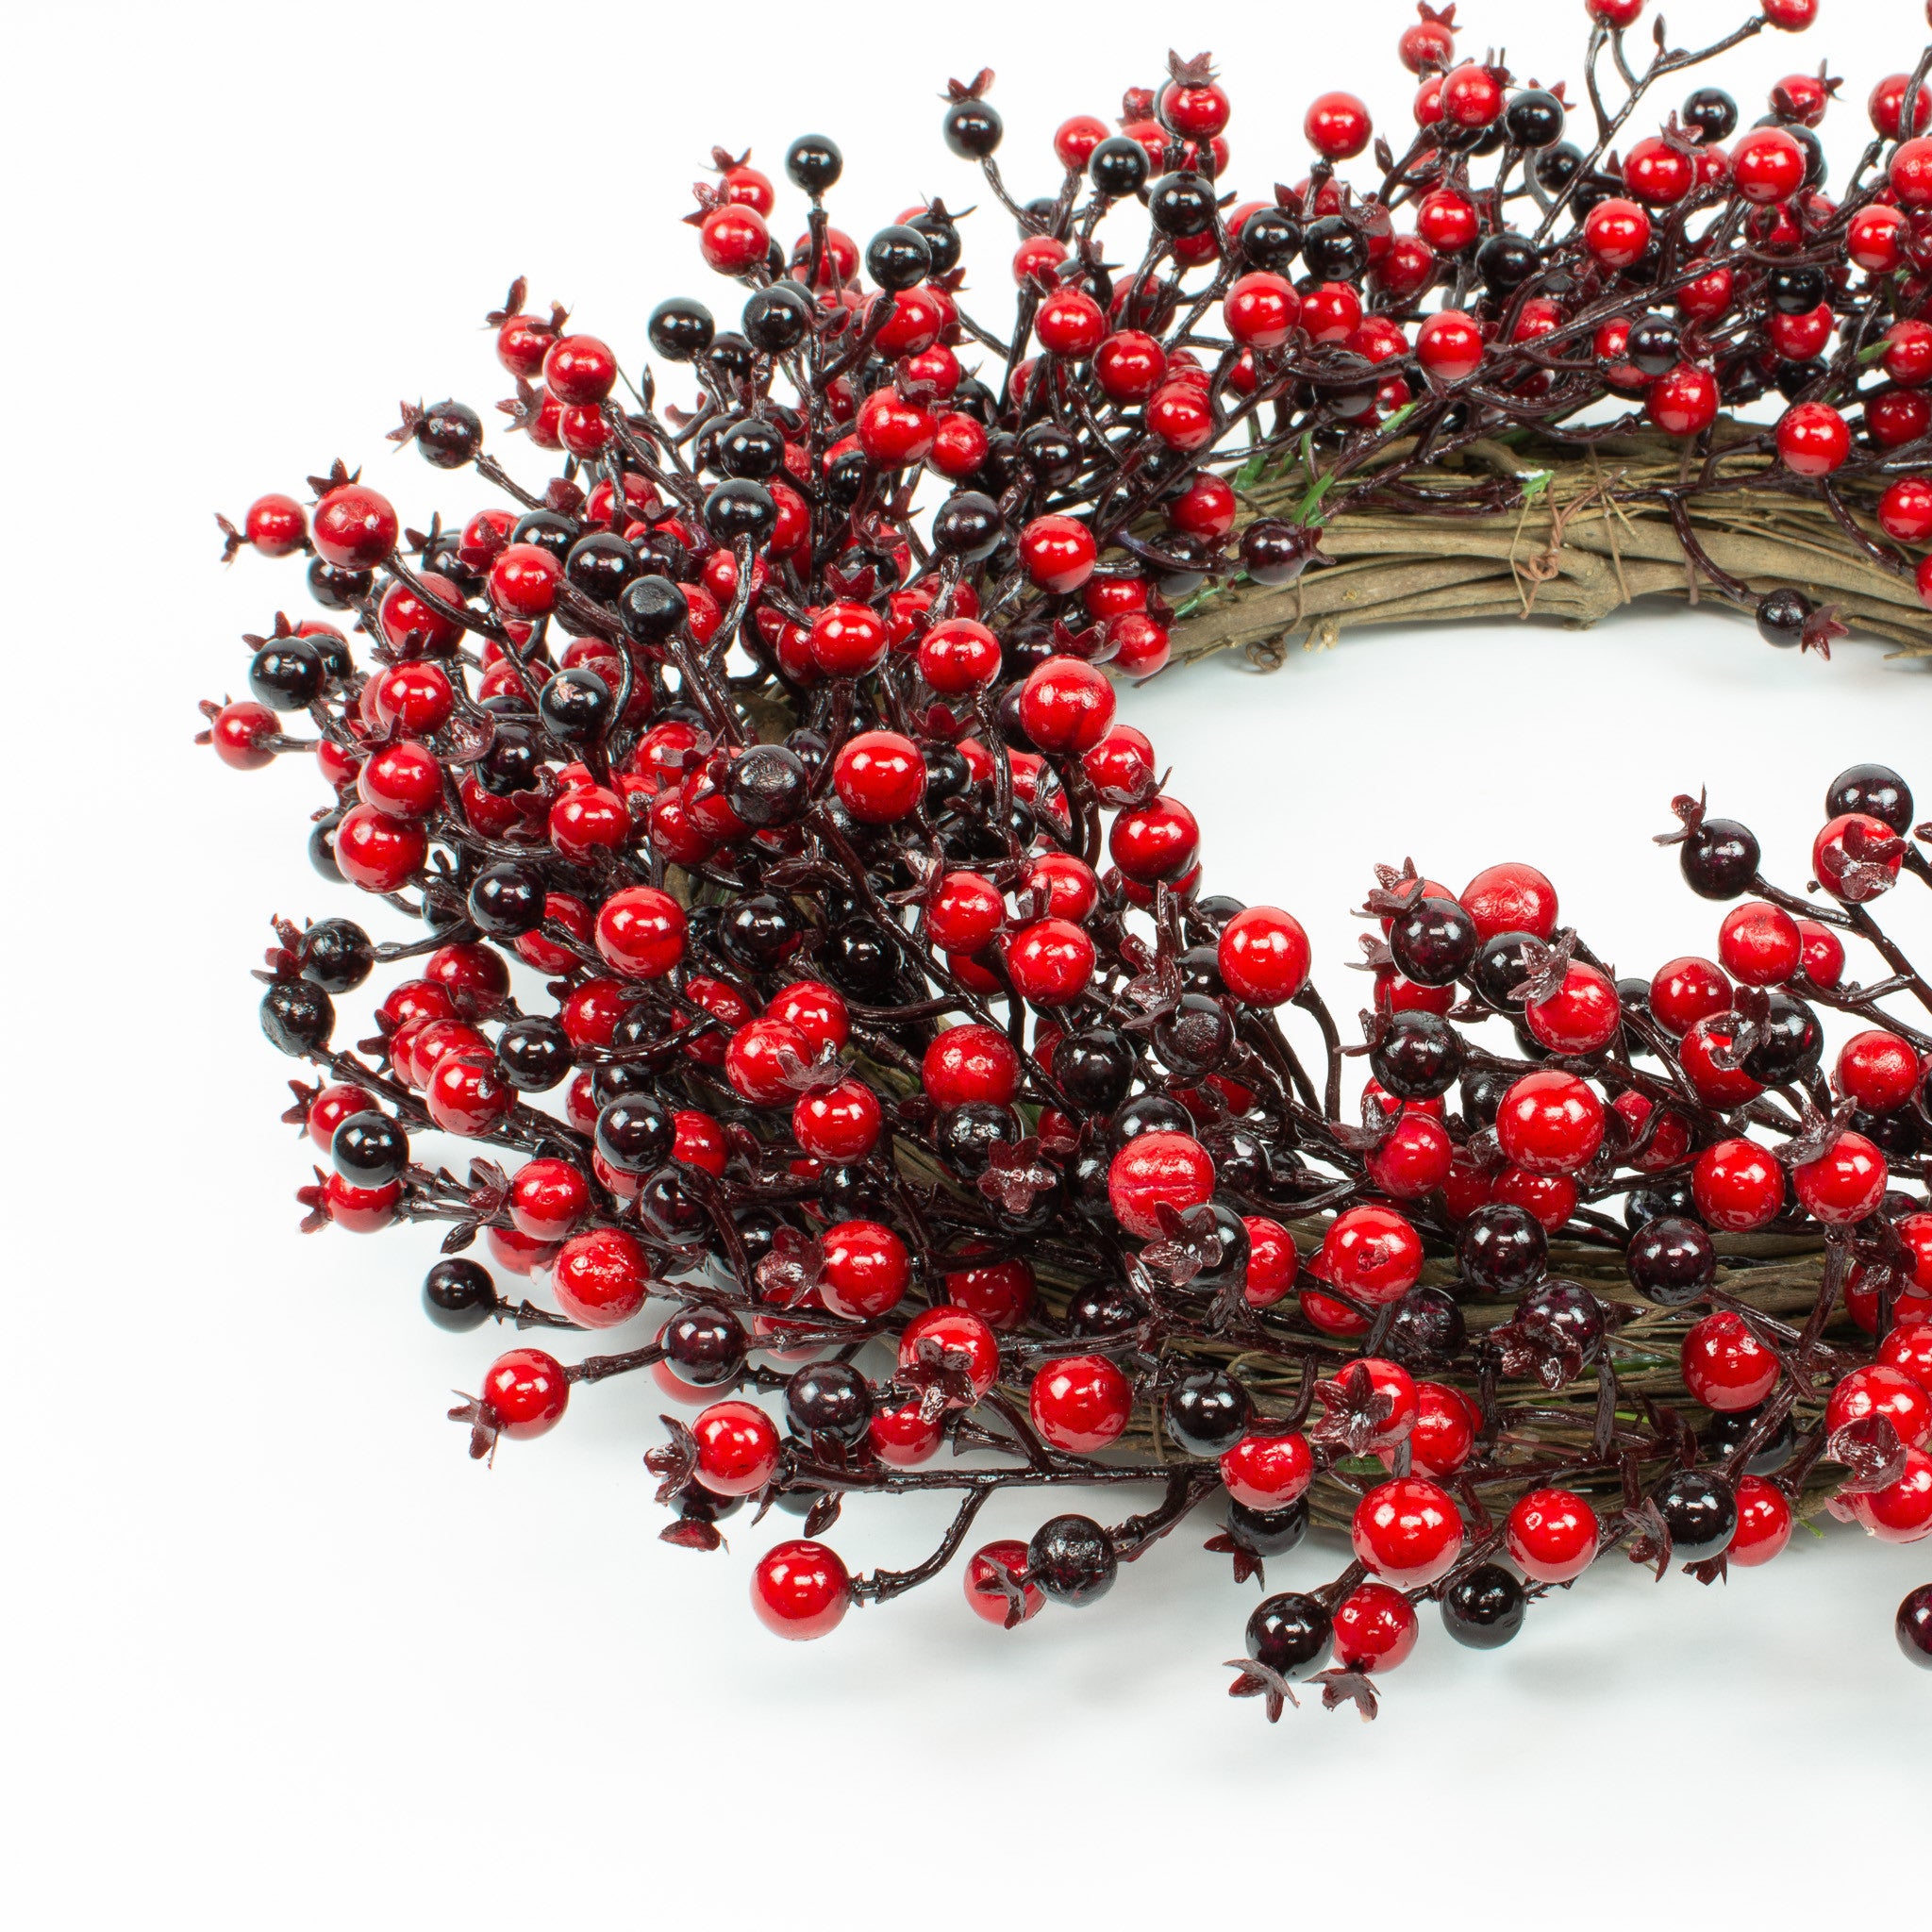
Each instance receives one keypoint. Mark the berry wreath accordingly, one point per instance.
(882, 1042)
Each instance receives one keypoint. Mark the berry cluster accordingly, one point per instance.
(876, 1036)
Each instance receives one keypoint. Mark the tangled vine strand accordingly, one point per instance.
(881, 1040)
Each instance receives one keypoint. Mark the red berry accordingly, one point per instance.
(1768, 165)
(733, 238)
(1375, 1628)
(600, 1278)
(1081, 1402)
(1070, 324)
(1902, 1512)
(963, 1338)
(1450, 346)
(838, 1124)
(1878, 1391)
(1414, 1160)
(1813, 440)
(239, 733)
(1001, 1294)
(1724, 1365)
(1260, 309)
(1158, 841)
(1582, 1016)
(971, 1063)
(1472, 96)
(1844, 1184)
(1764, 1523)
(1551, 1534)
(1685, 401)
(1739, 1186)
(1066, 706)
(1268, 1472)
(354, 527)
(1908, 1349)
(1856, 858)
(800, 1589)
(1618, 14)
(523, 581)
(765, 1060)
(1446, 224)
(984, 1597)
(1759, 943)
(527, 1393)
(1550, 1123)
(879, 776)
(1409, 1531)
(863, 1270)
(1658, 173)
(640, 932)
(1511, 897)
(1058, 553)
(736, 1448)
(1156, 1170)
(1372, 1253)
(376, 852)
(1617, 231)
(1686, 991)
(1910, 174)
(1051, 962)
(1878, 1070)
(1443, 1436)
(1338, 126)
(1129, 366)
(1824, 953)
(1264, 956)
(959, 655)
(1273, 1261)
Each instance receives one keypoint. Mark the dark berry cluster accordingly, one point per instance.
(875, 1041)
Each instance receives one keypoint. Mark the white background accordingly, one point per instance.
(274, 1653)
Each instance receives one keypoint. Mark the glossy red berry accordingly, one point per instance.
(1409, 1531)
(1725, 1364)
(1582, 1016)
(1372, 1253)
(1058, 553)
(864, 1270)
(1268, 1472)
(963, 1344)
(1813, 440)
(1878, 1070)
(1685, 401)
(526, 1392)
(1081, 1402)
(983, 1595)
(1739, 1186)
(1879, 1390)
(1550, 1123)
(1066, 706)
(1375, 1628)
(1263, 954)
(1337, 126)
(1157, 1170)
(1759, 943)
(599, 1278)
(801, 1589)
(840, 1124)
(1764, 1524)
(971, 1063)
(1687, 989)
(1551, 1535)
(1767, 166)
(879, 776)
(1844, 1184)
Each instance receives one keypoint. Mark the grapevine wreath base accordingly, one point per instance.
(884, 1054)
